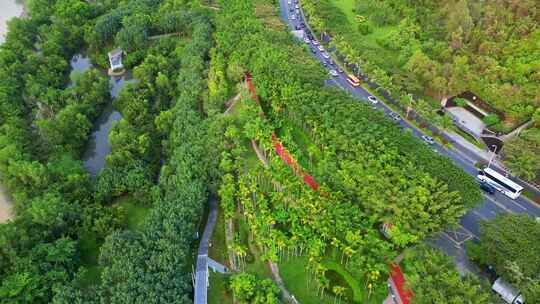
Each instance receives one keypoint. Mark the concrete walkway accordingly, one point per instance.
(201, 275)
(217, 266)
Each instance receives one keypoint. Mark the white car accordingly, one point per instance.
(428, 139)
(321, 48)
(333, 73)
(306, 40)
(325, 55)
(315, 42)
(373, 99)
(289, 2)
(293, 17)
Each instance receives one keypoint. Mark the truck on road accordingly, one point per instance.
(507, 293)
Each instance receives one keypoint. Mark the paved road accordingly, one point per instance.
(201, 271)
(450, 241)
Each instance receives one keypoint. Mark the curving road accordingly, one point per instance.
(201, 270)
(450, 241)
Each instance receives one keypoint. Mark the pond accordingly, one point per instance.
(8, 10)
(98, 146)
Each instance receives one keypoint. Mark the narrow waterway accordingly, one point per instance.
(98, 146)
(8, 10)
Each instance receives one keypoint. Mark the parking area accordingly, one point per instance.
(467, 120)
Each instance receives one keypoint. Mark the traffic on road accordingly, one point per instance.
(494, 202)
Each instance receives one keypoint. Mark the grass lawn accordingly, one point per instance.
(469, 138)
(218, 250)
(346, 6)
(339, 276)
(296, 278)
(89, 244)
(218, 292)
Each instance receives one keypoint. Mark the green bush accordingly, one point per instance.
(491, 119)
(460, 102)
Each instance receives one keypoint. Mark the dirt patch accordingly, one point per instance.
(5, 206)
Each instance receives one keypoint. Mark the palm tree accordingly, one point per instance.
(339, 291)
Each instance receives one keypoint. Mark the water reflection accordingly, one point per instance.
(98, 146)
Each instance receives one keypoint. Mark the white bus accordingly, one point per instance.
(499, 182)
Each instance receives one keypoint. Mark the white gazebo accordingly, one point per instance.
(115, 60)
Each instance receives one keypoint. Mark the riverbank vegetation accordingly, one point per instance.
(69, 242)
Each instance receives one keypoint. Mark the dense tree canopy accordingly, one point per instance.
(433, 278)
(509, 245)
(47, 117)
(369, 172)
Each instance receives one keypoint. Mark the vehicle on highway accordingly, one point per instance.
(313, 50)
(321, 48)
(373, 99)
(340, 70)
(487, 188)
(289, 2)
(333, 73)
(325, 55)
(325, 64)
(500, 182)
(292, 17)
(315, 42)
(353, 80)
(306, 40)
(507, 293)
(429, 140)
(297, 27)
(395, 117)
(297, 6)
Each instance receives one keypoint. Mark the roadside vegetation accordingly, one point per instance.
(433, 278)
(368, 171)
(76, 239)
(509, 247)
(436, 50)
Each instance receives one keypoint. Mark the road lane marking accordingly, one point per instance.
(519, 206)
(454, 243)
(480, 215)
(499, 204)
(468, 231)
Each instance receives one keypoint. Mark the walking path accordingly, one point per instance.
(518, 130)
(201, 275)
(217, 266)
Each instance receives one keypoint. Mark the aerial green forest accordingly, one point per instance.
(440, 49)
(191, 129)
